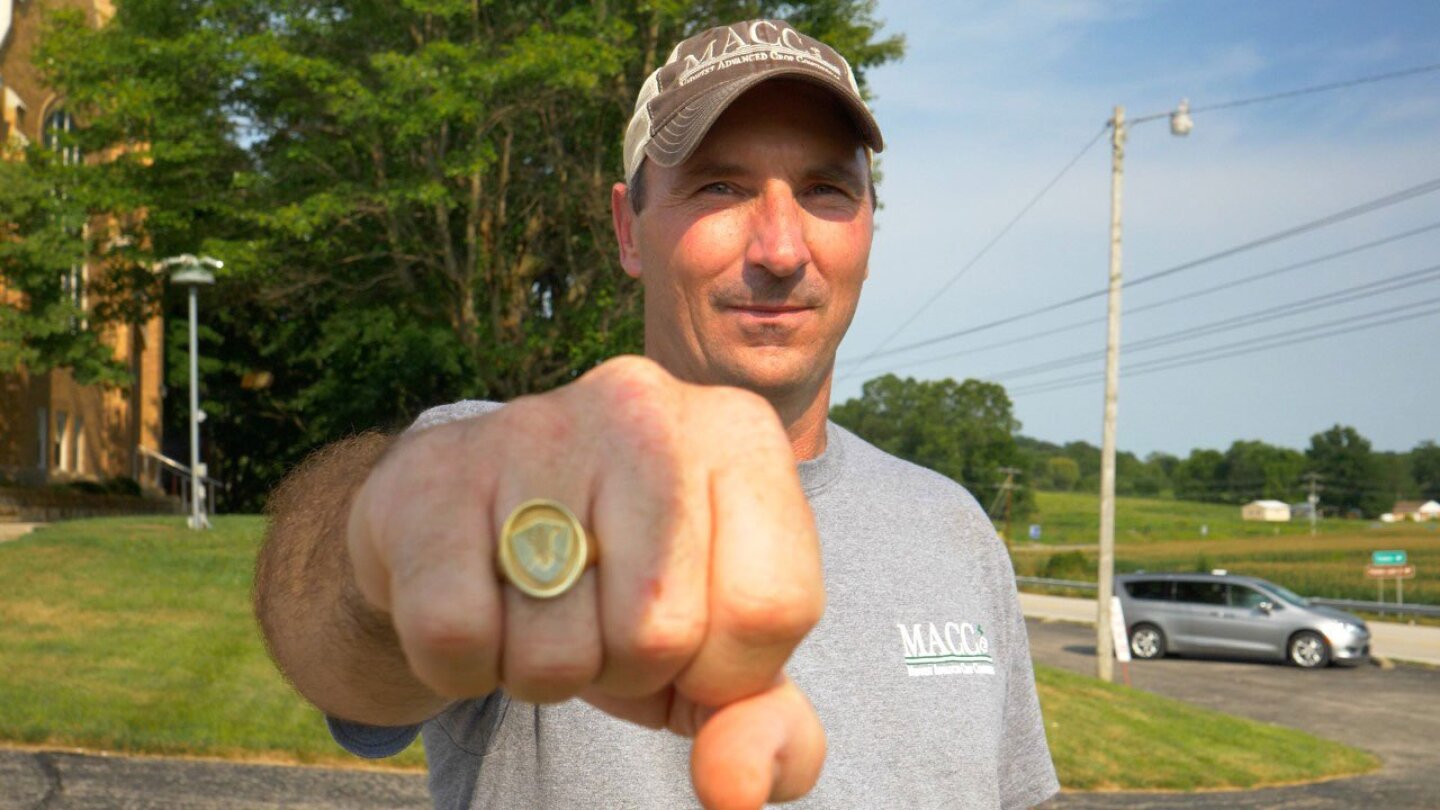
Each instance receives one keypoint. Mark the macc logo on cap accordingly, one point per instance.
(679, 102)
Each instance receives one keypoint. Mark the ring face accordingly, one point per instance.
(543, 548)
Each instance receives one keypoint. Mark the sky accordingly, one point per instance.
(993, 99)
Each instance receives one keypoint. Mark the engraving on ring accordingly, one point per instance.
(543, 549)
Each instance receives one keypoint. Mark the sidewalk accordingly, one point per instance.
(14, 531)
(1400, 642)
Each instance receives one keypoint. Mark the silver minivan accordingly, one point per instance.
(1230, 615)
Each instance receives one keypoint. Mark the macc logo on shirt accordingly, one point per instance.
(948, 649)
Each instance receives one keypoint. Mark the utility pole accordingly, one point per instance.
(1314, 498)
(1104, 645)
(1180, 125)
(1008, 487)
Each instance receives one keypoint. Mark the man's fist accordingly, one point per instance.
(708, 574)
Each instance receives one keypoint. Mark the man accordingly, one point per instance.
(560, 591)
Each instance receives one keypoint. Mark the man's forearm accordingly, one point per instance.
(338, 651)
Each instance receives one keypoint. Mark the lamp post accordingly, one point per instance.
(193, 272)
(1180, 125)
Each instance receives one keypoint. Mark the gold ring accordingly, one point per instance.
(543, 549)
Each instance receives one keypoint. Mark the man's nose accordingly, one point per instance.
(777, 239)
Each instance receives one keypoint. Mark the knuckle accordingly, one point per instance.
(447, 642)
(747, 415)
(444, 634)
(631, 376)
(549, 673)
(775, 615)
(539, 419)
(663, 641)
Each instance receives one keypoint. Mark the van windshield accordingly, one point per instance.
(1285, 594)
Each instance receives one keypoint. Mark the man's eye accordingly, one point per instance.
(828, 189)
(719, 187)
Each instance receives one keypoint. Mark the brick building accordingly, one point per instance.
(51, 428)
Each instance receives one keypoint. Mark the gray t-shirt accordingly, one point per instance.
(920, 671)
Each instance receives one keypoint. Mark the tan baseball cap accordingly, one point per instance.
(679, 102)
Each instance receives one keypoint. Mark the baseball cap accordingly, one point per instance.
(704, 74)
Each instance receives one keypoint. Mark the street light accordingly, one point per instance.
(192, 273)
(1180, 126)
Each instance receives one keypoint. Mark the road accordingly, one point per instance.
(1393, 713)
(53, 780)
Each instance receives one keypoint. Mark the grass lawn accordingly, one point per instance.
(1162, 535)
(1108, 737)
(135, 634)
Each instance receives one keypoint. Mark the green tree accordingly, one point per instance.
(1425, 469)
(1088, 457)
(411, 199)
(1253, 470)
(45, 199)
(1197, 478)
(1062, 473)
(962, 430)
(1343, 457)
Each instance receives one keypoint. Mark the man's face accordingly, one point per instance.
(753, 251)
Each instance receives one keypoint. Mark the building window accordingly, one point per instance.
(72, 291)
(42, 432)
(79, 464)
(58, 125)
(61, 444)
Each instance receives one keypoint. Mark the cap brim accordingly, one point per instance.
(678, 139)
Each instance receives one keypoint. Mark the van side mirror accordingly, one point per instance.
(1265, 607)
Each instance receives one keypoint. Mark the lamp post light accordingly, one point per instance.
(1180, 126)
(193, 272)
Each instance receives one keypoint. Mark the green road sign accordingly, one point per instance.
(1387, 558)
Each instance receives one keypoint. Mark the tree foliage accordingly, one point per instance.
(963, 430)
(1425, 469)
(1344, 459)
(411, 198)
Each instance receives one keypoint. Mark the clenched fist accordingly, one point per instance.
(708, 574)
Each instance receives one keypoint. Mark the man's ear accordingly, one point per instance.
(624, 217)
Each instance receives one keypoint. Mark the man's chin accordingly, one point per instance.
(773, 372)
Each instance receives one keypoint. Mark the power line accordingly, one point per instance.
(1168, 301)
(1284, 338)
(1344, 296)
(1386, 318)
(1302, 91)
(988, 245)
(1428, 187)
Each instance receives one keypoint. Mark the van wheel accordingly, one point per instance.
(1147, 641)
(1309, 650)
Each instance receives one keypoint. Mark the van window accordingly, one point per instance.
(1200, 593)
(1149, 589)
(1243, 597)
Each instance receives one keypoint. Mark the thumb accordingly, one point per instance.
(765, 748)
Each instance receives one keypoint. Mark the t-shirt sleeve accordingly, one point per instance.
(1027, 773)
(378, 742)
(371, 742)
(453, 412)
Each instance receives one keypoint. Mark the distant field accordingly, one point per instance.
(1074, 517)
(1161, 535)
